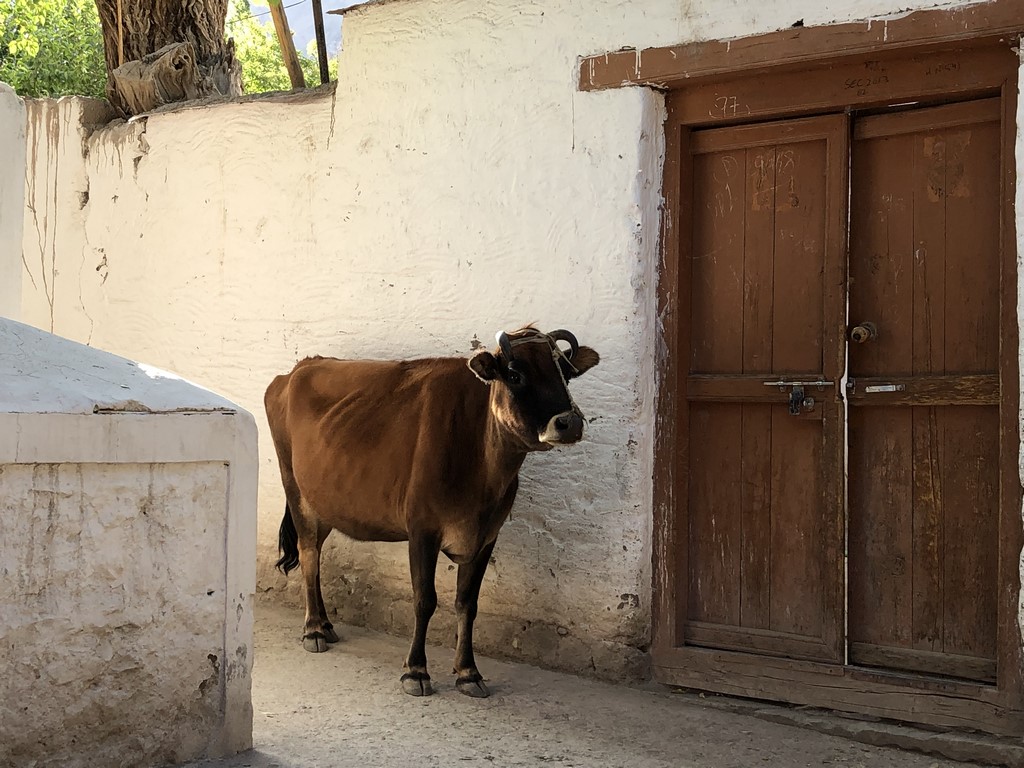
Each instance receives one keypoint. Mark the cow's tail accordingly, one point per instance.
(287, 543)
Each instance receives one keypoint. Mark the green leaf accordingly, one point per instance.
(51, 47)
(55, 48)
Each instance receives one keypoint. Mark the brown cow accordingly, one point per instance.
(422, 451)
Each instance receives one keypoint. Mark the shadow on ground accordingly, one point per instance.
(345, 708)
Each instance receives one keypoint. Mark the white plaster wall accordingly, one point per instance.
(224, 243)
(56, 193)
(12, 199)
(455, 183)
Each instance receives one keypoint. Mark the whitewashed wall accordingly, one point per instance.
(12, 199)
(454, 183)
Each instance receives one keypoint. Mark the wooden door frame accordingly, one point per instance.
(679, 66)
(950, 54)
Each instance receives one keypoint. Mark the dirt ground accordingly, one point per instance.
(345, 708)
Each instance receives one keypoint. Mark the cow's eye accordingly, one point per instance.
(515, 377)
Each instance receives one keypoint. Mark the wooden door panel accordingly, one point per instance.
(715, 499)
(717, 272)
(756, 500)
(881, 257)
(798, 257)
(971, 202)
(924, 251)
(763, 524)
(924, 427)
(797, 601)
(759, 284)
(921, 570)
(969, 493)
(754, 477)
(880, 525)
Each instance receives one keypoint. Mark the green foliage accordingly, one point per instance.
(55, 48)
(52, 47)
(256, 47)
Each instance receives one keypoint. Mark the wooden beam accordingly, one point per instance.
(321, 41)
(679, 64)
(284, 39)
(887, 694)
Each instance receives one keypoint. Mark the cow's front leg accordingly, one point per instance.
(471, 575)
(423, 551)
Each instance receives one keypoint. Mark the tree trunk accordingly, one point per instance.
(161, 51)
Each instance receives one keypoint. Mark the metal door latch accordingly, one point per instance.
(851, 386)
(798, 400)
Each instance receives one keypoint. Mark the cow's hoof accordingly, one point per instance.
(329, 634)
(315, 642)
(472, 685)
(416, 684)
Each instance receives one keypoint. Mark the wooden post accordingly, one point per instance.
(284, 39)
(321, 41)
(120, 35)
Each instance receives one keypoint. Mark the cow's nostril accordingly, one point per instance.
(563, 428)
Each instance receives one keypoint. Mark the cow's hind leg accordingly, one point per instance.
(468, 679)
(317, 631)
(330, 635)
(423, 551)
(328, 628)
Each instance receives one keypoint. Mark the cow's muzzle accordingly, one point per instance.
(564, 428)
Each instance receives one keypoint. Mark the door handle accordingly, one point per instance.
(866, 331)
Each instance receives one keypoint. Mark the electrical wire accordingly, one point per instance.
(232, 22)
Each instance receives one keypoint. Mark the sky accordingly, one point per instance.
(300, 19)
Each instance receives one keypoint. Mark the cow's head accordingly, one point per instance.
(530, 373)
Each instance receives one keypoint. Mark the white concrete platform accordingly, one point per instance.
(127, 560)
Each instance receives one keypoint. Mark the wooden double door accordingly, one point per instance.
(843, 424)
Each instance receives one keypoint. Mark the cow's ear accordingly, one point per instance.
(485, 366)
(585, 359)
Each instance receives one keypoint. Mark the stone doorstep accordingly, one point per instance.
(965, 746)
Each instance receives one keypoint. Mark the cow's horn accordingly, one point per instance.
(564, 335)
(505, 344)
